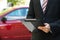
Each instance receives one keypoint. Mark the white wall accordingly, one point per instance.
(27, 2)
(3, 4)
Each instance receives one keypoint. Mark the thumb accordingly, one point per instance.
(45, 24)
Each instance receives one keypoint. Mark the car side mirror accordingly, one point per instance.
(4, 20)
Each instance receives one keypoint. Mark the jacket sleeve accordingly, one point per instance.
(31, 13)
(55, 27)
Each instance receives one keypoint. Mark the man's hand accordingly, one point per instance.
(45, 28)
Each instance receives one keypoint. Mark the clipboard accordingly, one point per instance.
(29, 25)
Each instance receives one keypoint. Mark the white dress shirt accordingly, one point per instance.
(41, 2)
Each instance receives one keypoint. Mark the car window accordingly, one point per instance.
(20, 13)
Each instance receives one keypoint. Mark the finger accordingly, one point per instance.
(40, 28)
(46, 30)
(45, 23)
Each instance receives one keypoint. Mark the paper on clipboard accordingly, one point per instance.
(29, 26)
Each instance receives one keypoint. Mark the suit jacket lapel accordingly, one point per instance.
(39, 8)
(48, 5)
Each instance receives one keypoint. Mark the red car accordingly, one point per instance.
(12, 28)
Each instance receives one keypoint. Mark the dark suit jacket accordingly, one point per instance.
(51, 16)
